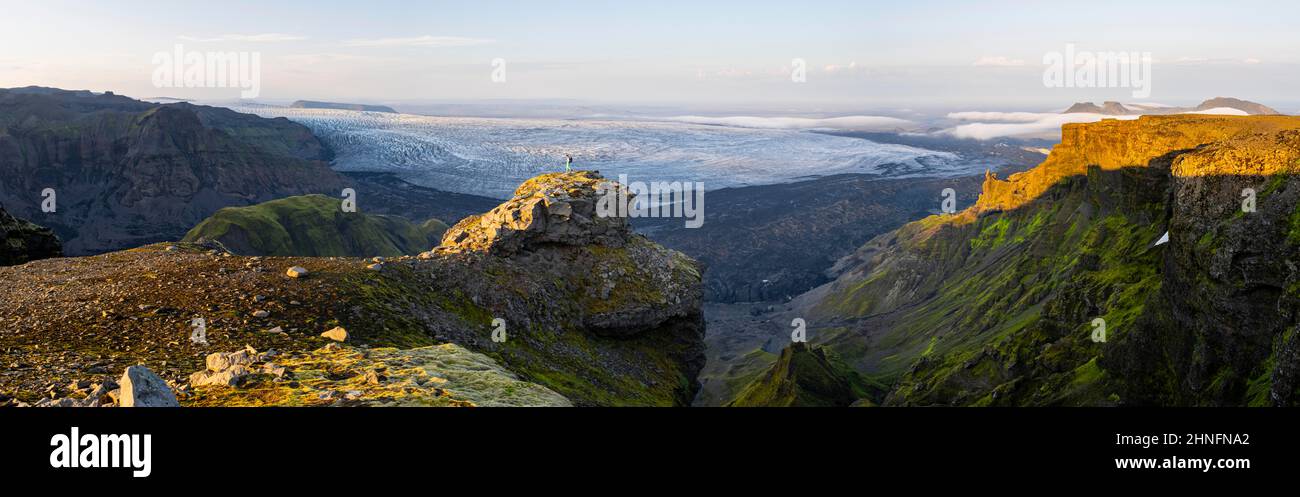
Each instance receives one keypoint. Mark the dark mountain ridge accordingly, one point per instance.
(127, 173)
(1112, 108)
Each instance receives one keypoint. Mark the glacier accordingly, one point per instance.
(491, 156)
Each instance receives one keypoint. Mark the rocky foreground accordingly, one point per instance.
(537, 302)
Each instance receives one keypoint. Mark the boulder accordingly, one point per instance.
(338, 334)
(557, 208)
(228, 377)
(296, 272)
(140, 387)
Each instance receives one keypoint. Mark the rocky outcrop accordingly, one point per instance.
(556, 208)
(21, 241)
(140, 387)
(803, 376)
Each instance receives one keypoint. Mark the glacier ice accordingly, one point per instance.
(491, 156)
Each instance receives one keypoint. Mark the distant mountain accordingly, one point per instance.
(1112, 108)
(1083, 108)
(126, 173)
(166, 100)
(1251, 108)
(314, 225)
(309, 104)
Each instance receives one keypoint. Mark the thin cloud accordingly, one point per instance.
(838, 67)
(858, 123)
(1189, 61)
(998, 61)
(1000, 117)
(419, 41)
(256, 38)
(1020, 124)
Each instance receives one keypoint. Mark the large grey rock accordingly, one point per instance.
(551, 209)
(228, 377)
(228, 368)
(142, 388)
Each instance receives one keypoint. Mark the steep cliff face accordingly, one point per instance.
(1225, 332)
(21, 241)
(1115, 144)
(1001, 304)
(125, 172)
(615, 323)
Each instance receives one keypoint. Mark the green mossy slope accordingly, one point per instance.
(315, 226)
(806, 376)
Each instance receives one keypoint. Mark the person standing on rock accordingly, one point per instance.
(568, 163)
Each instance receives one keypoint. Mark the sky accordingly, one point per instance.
(856, 54)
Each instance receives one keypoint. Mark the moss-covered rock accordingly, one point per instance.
(806, 376)
(446, 375)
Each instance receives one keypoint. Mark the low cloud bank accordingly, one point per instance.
(1047, 125)
(1018, 124)
(855, 123)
